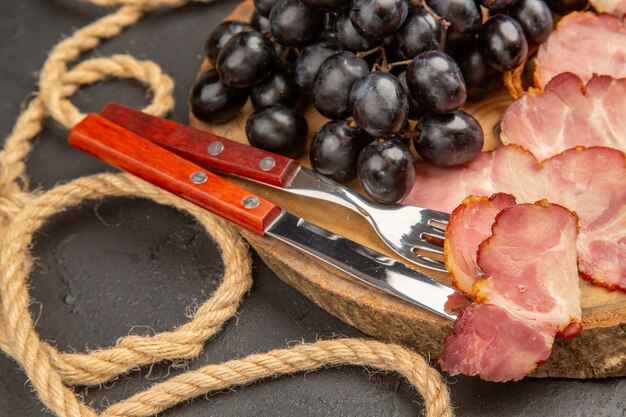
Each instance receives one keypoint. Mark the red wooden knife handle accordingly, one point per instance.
(208, 150)
(129, 152)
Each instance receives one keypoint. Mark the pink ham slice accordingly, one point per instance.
(470, 254)
(529, 293)
(589, 181)
(470, 224)
(568, 114)
(584, 44)
(489, 342)
(530, 265)
(614, 7)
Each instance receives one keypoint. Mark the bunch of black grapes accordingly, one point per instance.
(369, 66)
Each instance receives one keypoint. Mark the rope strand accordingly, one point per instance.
(22, 214)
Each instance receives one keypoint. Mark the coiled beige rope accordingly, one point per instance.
(131, 351)
(302, 357)
(22, 213)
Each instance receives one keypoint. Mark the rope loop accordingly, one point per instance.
(131, 351)
(119, 66)
(22, 214)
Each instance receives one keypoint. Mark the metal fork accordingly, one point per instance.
(408, 230)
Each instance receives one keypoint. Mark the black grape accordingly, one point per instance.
(502, 43)
(480, 77)
(386, 170)
(379, 104)
(567, 6)
(415, 111)
(260, 23)
(220, 35)
(335, 149)
(309, 62)
(334, 79)
(212, 101)
(348, 37)
(464, 17)
(435, 82)
(293, 23)
(285, 54)
(420, 32)
(458, 50)
(264, 7)
(328, 5)
(277, 129)
(329, 34)
(246, 59)
(278, 88)
(497, 5)
(448, 139)
(280, 50)
(377, 19)
(535, 18)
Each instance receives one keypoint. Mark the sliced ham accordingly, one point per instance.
(488, 342)
(584, 44)
(470, 224)
(530, 266)
(589, 181)
(526, 290)
(614, 7)
(493, 236)
(568, 114)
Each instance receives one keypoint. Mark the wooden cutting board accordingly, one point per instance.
(600, 350)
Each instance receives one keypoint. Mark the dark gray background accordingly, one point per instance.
(117, 266)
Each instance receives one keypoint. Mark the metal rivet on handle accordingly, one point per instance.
(267, 163)
(199, 177)
(215, 148)
(251, 202)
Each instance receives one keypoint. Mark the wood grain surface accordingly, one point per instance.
(600, 350)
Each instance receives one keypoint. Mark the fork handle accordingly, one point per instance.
(129, 152)
(204, 148)
(235, 158)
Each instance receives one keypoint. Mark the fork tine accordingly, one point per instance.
(429, 263)
(438, 216)
(428, 246)
(437, 224)
(435, 234)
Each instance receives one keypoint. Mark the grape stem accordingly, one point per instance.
(364, 54)
(285, 54)
(381, 64)
(422, 3)
(384, 64)
(413, 133)
(398, 64)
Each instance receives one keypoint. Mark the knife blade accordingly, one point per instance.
(139, 156)
(365, 264)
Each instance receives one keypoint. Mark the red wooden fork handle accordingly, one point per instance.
(129, 152)
(204, 148)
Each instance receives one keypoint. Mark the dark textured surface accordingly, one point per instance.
(107, 269)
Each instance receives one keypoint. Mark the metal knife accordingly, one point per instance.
(226, 156)
(137, 155)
